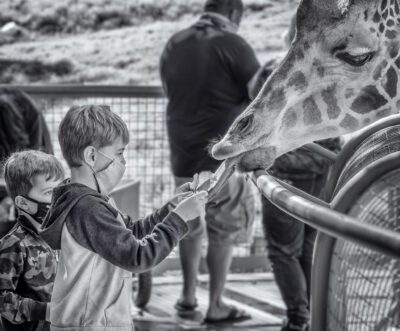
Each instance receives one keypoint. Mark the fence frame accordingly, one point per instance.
(251, 262)
(91, 90)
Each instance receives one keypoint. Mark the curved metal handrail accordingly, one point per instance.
(329, 221)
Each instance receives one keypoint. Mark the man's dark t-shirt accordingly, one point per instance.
(205, 72)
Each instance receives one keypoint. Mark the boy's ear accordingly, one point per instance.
(25, 205)
(90, 155)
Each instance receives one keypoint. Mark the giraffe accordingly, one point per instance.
(339, 75)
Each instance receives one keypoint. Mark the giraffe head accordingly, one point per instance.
(339, 75)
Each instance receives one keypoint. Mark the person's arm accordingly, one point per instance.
(243, 63)
(13, 306)
(145, 226)
(98, 230)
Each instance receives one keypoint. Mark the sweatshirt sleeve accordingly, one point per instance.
(145, 226)
(93, 223)
(14, 307)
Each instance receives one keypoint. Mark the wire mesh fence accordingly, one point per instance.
(147, 154)
(364, 285)
(364, 288)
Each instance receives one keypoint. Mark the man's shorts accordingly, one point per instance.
(229, 217)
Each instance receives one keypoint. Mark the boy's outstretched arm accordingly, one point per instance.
(145, 226)
(99, 230)
(14, 307)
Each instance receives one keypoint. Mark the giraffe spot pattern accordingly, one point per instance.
(277, 100)
(390, 23)
(379, 69)
(394, 49)
(312, 115)
(376, 18)
(368, 100)
(390, 85)
(396, 8)
(381, 28)
(349, 122)
(397, 62)
(300, 55)
(320, 69)
(383, 5)
(385, 14)
(298, 81)
(331, 101)
(391, 34)
(289, 119)
(284, 70)
(398, 105)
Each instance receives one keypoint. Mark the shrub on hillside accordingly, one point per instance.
(73, 16)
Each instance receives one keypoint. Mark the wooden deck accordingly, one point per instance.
(255, 293)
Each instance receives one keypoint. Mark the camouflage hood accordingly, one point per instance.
(65, 197)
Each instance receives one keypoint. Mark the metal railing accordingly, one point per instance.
(356, 267)
(328, 220)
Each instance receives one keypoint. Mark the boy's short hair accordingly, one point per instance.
(90, 125)
(21, 167)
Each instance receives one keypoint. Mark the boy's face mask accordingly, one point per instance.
(109, 176)
(41, 210)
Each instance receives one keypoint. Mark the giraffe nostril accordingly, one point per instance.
(244, 124)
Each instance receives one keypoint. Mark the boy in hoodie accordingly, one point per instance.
(100, 247)
(27, 264)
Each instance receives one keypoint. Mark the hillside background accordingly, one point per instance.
(115, 41)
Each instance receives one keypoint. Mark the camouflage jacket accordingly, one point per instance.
(27, 272)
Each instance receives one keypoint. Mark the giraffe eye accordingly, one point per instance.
(355, 60)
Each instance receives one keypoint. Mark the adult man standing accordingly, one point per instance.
(205, 70)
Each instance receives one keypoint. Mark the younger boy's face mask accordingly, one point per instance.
(108, 177)
(41, 211)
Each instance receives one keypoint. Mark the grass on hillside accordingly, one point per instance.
(127, 55)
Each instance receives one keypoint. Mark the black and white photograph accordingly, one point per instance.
(200, 165)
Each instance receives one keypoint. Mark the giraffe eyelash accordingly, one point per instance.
(355, 60)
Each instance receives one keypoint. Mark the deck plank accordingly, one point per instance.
(161, 313)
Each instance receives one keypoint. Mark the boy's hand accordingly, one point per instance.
(187, 189)
(192, 207)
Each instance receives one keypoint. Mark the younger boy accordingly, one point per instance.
(27, 264)
(99, 247)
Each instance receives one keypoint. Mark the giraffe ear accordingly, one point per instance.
(336, 7)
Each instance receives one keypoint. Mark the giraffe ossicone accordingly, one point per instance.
(339, 75)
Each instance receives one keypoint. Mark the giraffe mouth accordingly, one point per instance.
(260, 158)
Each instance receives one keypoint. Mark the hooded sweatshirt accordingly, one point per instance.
(100, 248)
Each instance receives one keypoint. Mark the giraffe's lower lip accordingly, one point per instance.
(259, 158)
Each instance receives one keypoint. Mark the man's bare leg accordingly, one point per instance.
(190, 255)
(219, 258)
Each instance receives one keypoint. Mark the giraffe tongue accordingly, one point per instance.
(220, 177)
